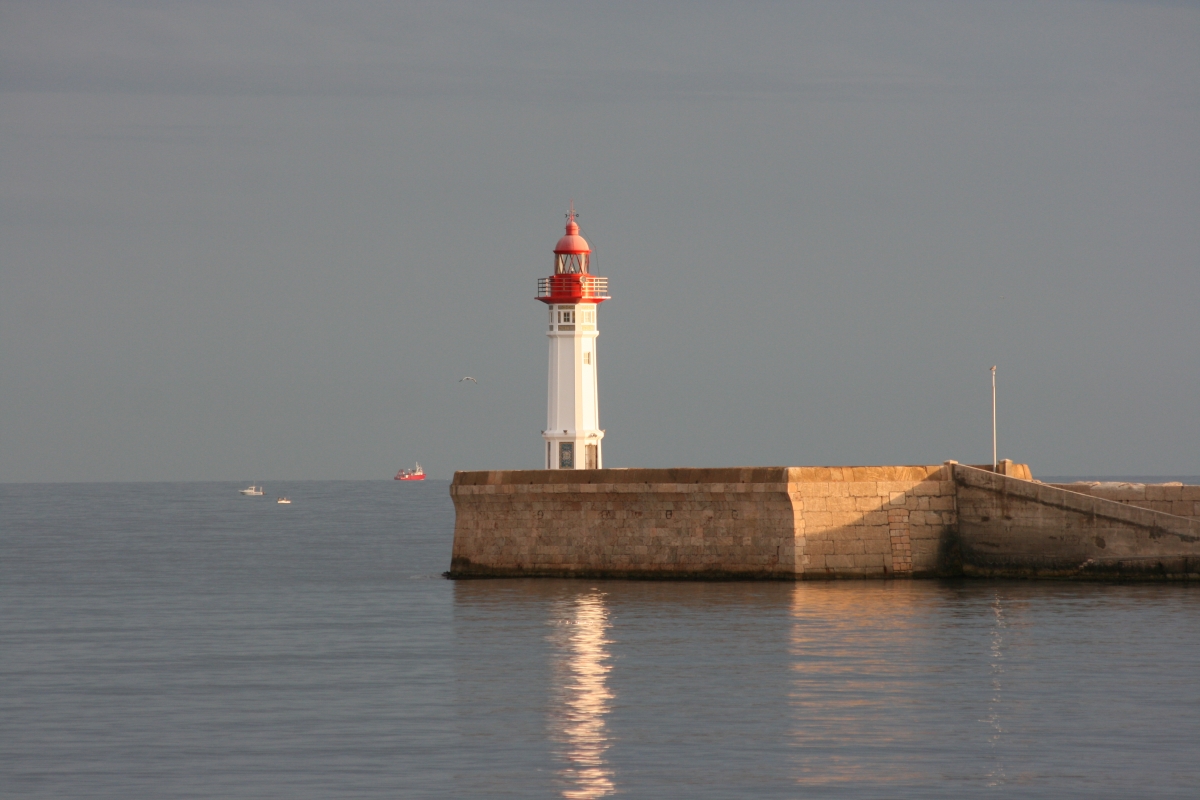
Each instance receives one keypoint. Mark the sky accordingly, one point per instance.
(263, 240)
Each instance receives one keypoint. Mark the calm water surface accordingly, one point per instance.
(180, 640)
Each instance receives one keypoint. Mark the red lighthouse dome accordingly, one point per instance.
(572, 243)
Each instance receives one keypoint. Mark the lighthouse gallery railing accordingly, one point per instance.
(573, 286)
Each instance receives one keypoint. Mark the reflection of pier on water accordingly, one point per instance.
(995, 774)
(578, 717)
(901, 688)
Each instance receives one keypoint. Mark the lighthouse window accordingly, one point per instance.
(570, 263)
(587, 358)
(566, 455)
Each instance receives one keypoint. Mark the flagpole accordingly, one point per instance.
(994, 462)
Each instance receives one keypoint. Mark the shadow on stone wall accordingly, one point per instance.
(1015, 528)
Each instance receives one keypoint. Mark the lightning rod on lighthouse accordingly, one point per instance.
(573, 295)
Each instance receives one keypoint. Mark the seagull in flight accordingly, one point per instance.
(468, 378)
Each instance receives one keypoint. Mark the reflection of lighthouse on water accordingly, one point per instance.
(578, 716)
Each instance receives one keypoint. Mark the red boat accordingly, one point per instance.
(414, 474)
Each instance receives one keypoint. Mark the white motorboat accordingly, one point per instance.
(252, 491)
(284, 500)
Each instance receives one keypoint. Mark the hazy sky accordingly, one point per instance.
(264, 240)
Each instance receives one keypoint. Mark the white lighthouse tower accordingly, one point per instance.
(572, 436)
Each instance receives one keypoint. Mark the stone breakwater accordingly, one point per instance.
(794, 523)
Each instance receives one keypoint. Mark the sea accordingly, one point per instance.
(180, 640)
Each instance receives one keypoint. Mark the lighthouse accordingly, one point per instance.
(573, 295)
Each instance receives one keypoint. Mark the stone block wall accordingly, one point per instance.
(707, 523)
(752, 522)
(1169, 498)
(819, 522)
(871, 521)
(1015, 528)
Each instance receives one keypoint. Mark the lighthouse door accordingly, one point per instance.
(589, 456)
